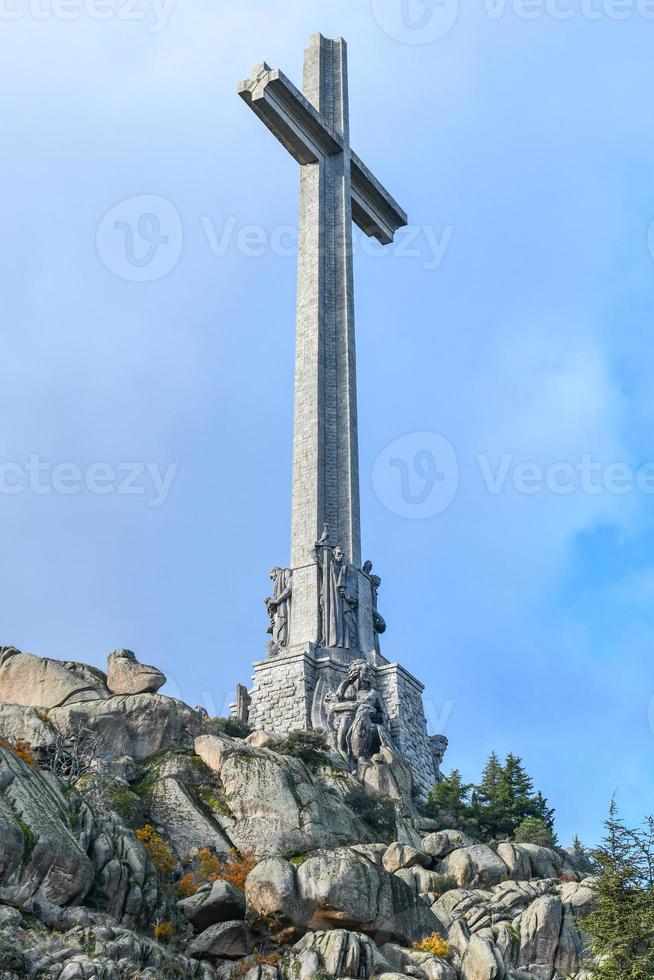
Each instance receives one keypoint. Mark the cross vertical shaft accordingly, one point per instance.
(331, 603)
(325, 454)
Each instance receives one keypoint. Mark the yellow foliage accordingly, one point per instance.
(158, 851)
(164, 931)
(22, 749)
(238, 867)
(187, 886)
(234, 869)
(435, 945)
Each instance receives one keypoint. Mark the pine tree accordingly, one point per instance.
(450, 798)
(506, 798)
(533, 830)
(542, 811)
(489, 796)
(502, 802)
(621, 927)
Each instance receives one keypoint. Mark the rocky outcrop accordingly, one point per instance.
(62, 853)
(327, 896)
(277, 806)
(42, 857)
(340, 888)
(40, 682)
(125, 675)
(136, 726)
(412, 962)
(341, 953)
(219, 902)
(475, 867)
(443, 842)
(94, 949)
(225, 940)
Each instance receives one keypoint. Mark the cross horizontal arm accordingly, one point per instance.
(307, 137)
(373, 209)
(290, 116)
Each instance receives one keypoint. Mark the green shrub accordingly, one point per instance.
(229, 726)
(443, 883)
(310, 747)
(378, 814)
(12, 958)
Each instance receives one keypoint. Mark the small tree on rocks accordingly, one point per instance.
(621, 927)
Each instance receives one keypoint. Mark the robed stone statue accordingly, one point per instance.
(278, 606)
(338, 596)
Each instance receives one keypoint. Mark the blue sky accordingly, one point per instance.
(512, 328)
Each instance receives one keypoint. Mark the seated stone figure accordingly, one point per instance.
(356, 716)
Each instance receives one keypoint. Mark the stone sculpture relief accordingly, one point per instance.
(378, 621)
(338, 596)
(438, 745)
(278, 606)
(355, 716)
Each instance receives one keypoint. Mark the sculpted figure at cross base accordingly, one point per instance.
(356, 716)
(338, 599)
(438, 745)
(378, 621)
(278, 606)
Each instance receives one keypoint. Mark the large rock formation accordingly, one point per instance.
(125, 675)
(106, 803)
(44, 683)
(277, 806)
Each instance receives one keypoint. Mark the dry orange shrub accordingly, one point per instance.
(158, 851)
(20, 748)
(234, 869)
(164, 931)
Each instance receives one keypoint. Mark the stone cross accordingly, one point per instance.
(336, 188)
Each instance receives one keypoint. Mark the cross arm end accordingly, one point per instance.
(288, 115)
(374, 210)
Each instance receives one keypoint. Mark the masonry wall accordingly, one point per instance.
(402, 693)
(283, 691)
(282, 694)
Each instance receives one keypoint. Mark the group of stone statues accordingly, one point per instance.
(339, 602)
(353, 714)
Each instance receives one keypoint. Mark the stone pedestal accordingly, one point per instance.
(283, 699)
